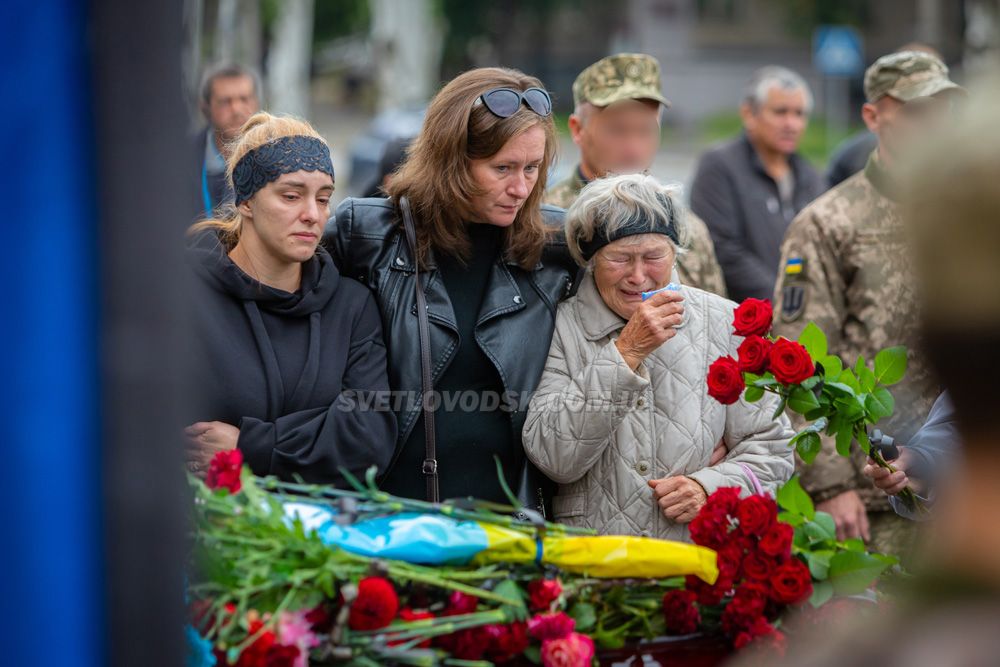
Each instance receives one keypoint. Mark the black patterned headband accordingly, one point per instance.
(267, 163)
(637, 224)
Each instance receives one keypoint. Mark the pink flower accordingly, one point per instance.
(551, 626)
(295, 630)
(573, 650)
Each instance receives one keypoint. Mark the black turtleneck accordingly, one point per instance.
(466, 440)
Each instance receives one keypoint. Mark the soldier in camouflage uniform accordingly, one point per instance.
(616, 124)
(845, 265)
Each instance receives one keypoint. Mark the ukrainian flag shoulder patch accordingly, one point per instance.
(794, 266)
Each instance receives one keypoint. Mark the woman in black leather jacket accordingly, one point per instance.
(493, 264)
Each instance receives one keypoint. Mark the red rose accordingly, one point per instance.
(461, 603)
(574, 650)
(791, 583)
(756, 514)
(730, 559)
(759, 628)
(280, 655)
(680, 612)
(753, 354)
(255, 654)
(725, 380)
(724, 500)
(224, 470)
(777, 540)
(753, 317)
(375, 606)
(790, 362)
(506, 641)
(550, 626)
(543, 592)
(408, 614)
(708, 595)
(468, 644)
(758, 567)
(710, 528)
(748, 603)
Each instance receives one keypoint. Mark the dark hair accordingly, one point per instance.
(226, 71)
(437, 179)
(392, 157)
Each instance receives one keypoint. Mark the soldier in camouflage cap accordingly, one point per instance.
(845, 265)
(616, 124)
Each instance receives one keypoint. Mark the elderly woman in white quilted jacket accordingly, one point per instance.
(622, 419)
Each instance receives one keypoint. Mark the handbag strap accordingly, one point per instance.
(430, 465)
(753, 479)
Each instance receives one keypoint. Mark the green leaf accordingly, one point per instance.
(802, 400)
(844, 438)
(534, 653)
(793, 498)
(819, 530)
(767, 381)
(890, 365)
(862, 437)
(826, 521)
(861, 363)
(850, 408)
(792, 519)
(822, 592)
(809, 447)
(753, 394)
(852, 572)
(814, 340)
(854, 544)
(509, 589)
(832, 367)
(866, 379)
(880, 404)
(584, 614)
(838, 389)
(811, 382)
(781, 408)
(819, 563)
(848, 378)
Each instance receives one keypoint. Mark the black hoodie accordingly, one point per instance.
(288, 368)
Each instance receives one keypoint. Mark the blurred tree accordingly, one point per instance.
(802, 16)
(339, 19)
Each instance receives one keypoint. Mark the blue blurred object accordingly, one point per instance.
(429, 539)
(50, 608)
(672, 287)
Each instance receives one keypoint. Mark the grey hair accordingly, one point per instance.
(611, 203)
(774, 76)
(227, 71)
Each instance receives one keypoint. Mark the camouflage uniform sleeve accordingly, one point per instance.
(699, 267)
(811, 288)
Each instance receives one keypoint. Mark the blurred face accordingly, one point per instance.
(507, 178)
(284, 219)
(777, 126)
(626, 268)
(900, 126)
(621, 138)
(232, 103)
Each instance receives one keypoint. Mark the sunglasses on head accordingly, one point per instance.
(504, 102)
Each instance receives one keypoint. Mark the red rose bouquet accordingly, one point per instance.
(838, 401)
(773, 556)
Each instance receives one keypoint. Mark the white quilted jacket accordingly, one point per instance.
(602, 431)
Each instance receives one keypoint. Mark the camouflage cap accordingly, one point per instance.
(624, 76)
(906, 76)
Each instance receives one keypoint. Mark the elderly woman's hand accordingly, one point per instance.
(650, 326)
(680, 498)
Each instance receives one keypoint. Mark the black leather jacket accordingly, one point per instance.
(366, 240)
